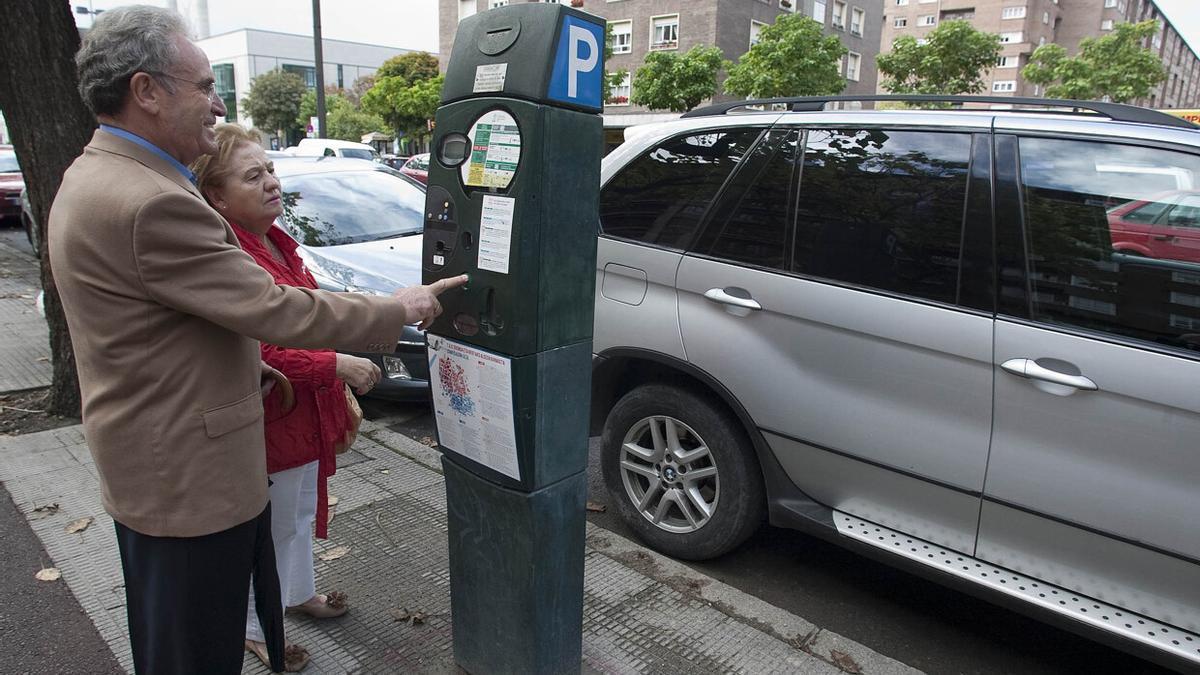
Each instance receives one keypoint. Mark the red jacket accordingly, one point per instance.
(320, 418)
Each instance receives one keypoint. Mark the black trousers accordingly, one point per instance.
(186, 598)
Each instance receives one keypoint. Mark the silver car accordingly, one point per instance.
(918, 332)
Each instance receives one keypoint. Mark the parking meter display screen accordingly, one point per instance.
(495, 151)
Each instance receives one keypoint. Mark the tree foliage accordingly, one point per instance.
(343, 121)
(792, 58)
(274, 100)
(411, 67)
(406, 108)
(1116, 65)
(952, 61)
(49, 125)
(359, 87)
(668, 81)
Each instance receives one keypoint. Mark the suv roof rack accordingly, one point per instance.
(1119, 112)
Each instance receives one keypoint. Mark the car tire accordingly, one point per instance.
(697, 502)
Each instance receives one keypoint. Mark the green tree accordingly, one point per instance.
(1116, 66)
(274, 101)
(677, 83)
(342, 120)
(792, 58)
(411, 67)
(406, 108)
(952, 61)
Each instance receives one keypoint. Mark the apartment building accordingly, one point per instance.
(644, 26)
(1024, 25)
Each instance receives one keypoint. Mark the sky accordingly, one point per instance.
(413, 24)
(406, 24)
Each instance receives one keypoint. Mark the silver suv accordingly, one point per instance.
(967, 337)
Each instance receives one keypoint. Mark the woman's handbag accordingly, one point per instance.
(356, 415)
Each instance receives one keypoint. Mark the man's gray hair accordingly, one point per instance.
(124, 41)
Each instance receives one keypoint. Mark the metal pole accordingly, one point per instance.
(320, 68)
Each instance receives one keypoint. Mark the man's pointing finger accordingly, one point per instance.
(442, 285)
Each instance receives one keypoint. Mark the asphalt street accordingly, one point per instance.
(918, 622)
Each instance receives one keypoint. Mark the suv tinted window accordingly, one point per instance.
(750, 221)
(1092, 266)
(883, 209)
(660, 197)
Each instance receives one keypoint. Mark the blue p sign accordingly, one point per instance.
(578, 60)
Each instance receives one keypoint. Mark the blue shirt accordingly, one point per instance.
(129, 136)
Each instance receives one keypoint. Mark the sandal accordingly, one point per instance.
(295, 657)
(332, 605)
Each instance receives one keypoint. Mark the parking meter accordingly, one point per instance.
(512, 202)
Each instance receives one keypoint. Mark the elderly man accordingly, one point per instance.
(165, 313)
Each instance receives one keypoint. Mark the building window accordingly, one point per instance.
(755, 28)
(857, 18)
(1012, 13)
(664, 32)
(619, 95)
(853, 61)
(493, 4)
(306, 73)
(787, 5)
(1046, 17)
(466, 8)
(927, 20)
(839, 15)
(226, 88)
(819, 12)
(1006, 62)
(1004, 86)
(901, 3)
(1106, 24)
(900, 23)
(1110, 3)
(926, 2)
(1007, 38)
(622, 35)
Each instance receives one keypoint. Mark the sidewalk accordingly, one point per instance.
(24, 340)
(387, 549)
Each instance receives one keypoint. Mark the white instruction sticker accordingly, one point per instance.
(495, 151)
(495, 233)
(472, 403)
(490, 77)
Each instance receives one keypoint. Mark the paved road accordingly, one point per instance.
(917, 622)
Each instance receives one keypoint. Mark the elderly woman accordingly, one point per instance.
(239, 182)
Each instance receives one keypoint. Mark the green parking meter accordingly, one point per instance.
(512, 202)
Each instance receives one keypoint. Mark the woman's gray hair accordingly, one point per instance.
(124, 41)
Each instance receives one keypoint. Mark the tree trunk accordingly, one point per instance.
(49, 125)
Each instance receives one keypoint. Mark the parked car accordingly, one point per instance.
(909, 332)
(329, 147)
(11, 183)
(394, 161)
(358, 225)
(1163, 226)
(417, 166)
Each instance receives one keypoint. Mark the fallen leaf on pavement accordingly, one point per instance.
(332, 508)
(43, 359)
(332, 501)
(47, 510)
(413, 618)
(334, 553)
(595, 507)
(844, 661)
(428, 440)
(79, 525)
(48, 574)
(385, 471)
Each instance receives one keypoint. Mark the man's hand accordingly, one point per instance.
(421, 303)
(361, 374)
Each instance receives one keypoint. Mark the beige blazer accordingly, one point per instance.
(165, 313)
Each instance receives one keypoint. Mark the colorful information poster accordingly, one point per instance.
(495, 151)
(472, 403)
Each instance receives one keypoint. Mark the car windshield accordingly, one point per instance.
(357, 153)
(331, 209)
(420, 162)
(8, 163)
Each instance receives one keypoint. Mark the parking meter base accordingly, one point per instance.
(516, 561)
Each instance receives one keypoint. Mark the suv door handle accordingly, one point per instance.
(1163, 237)
(1028, 368)
(719, 295)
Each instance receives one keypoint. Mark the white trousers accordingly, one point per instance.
(293, 510)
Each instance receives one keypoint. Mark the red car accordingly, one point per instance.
(11, 183)
(417, 166)
(1165, 226)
